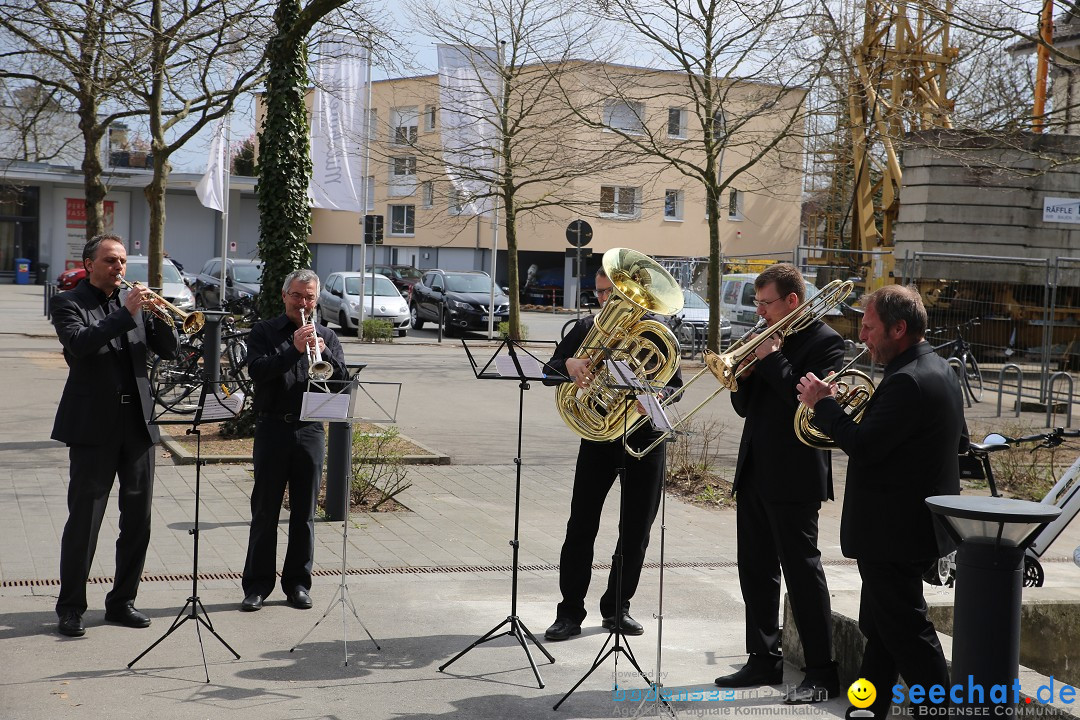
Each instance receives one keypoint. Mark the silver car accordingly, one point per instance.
(340, 301)
(173, 287)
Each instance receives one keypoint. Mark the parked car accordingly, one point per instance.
(737, 300)
(403, 276)
(173, 287)
(457, 299)
(340, 301)
(694, 319)
(243, 277)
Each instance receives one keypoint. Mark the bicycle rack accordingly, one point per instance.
(1050, 398)
(956, 364)
(1019, 386)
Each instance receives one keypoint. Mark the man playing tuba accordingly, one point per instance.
(598, 465)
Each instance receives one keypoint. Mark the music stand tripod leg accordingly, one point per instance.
(193, 600)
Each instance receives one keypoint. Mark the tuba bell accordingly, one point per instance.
(640, 285)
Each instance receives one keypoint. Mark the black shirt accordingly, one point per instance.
(279, 370)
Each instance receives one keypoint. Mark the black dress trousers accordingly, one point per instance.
(597, 468)
(286, 453)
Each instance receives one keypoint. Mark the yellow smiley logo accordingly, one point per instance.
(862, 693)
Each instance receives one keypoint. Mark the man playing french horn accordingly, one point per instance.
(780, 484)
(104, 417)
(598, 465)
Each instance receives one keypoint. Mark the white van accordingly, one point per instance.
(737, 301)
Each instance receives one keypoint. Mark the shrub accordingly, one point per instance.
(376, 329)
(378, 472)
(504, 330)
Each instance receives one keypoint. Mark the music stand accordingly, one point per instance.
(343, 410)
(624, 379)
(215, 404)
(510, 367)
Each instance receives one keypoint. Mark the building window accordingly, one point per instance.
(428, 193)
(370, 192)
(429, 118)
(402, 219)
(618, 201)
(735, 205)
(625, 115)
(673, 205)
(403, 166)
(458, 201)
(676, 123)
(716, 129)
(403, 123)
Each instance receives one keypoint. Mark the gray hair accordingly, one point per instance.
(304, 275)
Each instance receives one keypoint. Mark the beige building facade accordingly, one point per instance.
(576, 170)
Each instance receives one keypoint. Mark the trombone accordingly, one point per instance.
(192, 322)
(728, 367)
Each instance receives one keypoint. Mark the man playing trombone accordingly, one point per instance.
(283, 352)
(780, 484)
(103, 417)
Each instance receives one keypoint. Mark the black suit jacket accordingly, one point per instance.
(904, 450)
(783, 468)
(90, 404)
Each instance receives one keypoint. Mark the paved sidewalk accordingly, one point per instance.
(426, 583)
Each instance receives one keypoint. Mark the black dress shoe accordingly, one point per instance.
(300, 599)
(128, 616)
(562, 629)
(813, 690)
(630, 626)
(252, 602)
(71, 624)
(753, 674)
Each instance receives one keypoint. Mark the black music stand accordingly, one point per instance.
(348, 387)
(215, 404)
(510, 367)
(625, 379)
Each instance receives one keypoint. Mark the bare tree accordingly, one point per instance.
(34, 125)
(739, 70)
(73, 49)
(202, 56)
(529, 147)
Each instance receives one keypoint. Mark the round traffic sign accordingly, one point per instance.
(579, 233)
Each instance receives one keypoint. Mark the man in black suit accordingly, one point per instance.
(103, 418)
(598, 464)
(287, 451)
(780, 484)
(904, 449)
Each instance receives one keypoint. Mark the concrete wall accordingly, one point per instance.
(975, 195)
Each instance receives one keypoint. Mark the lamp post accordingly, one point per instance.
(992, 534)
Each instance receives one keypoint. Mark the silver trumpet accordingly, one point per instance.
(318, 369)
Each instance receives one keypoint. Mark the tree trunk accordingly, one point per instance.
(155, 200)
(712, 197)
(94, 190)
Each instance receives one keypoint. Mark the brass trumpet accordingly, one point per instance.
(192, 322)
(318, 369)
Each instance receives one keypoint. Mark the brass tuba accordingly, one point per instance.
(729, 366)
(852, 394)
(640, 285)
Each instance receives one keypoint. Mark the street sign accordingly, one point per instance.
(579, 233)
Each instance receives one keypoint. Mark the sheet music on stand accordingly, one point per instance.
(351, 401)
(626, 376)
(224, 406)
(530, 366)
(655, 412)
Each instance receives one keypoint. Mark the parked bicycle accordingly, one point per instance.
(1065, 494)
(177, 384)
(958, 352)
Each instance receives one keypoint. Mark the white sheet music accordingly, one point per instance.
(219, 406)
(624, 375)
(655, 411)
(325, 406)
(530, 366)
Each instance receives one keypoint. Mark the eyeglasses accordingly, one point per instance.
(604, 291)
(297, 297)
(765, 303)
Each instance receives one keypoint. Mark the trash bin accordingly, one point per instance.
(42, 273)
(22, 271)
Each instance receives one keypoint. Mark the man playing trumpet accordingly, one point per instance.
(287, 451)
(103, 417)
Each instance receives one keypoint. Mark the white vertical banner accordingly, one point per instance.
(211, 187)
(469, 85)
(338, 126)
